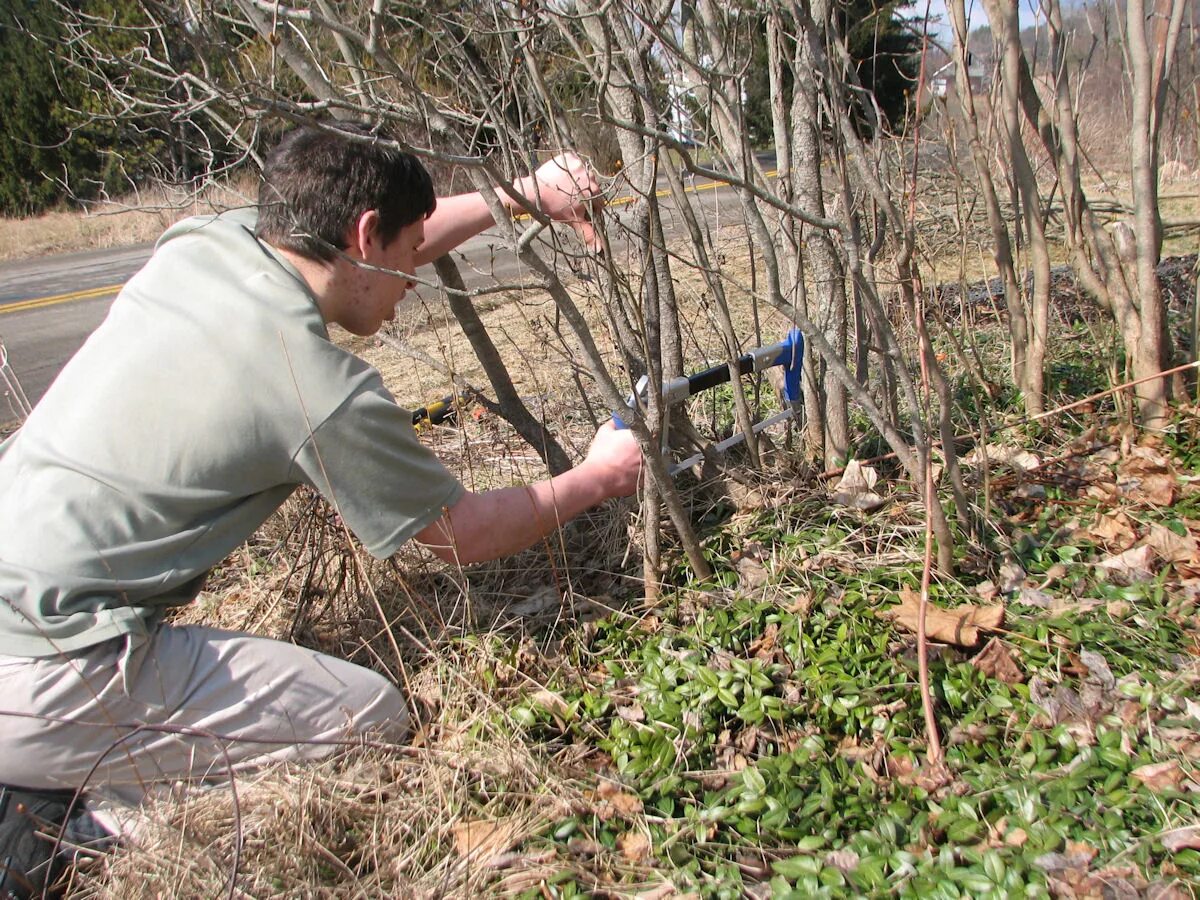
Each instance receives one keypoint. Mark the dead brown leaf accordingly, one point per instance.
(748, 738)
(661, 892)
(631, 713)
(929, 777)
(975, 733)
(551, 702)
(649, 624)
(751, 573)
(1162, 890)
(1056, 572)
(987, 590)
(1160, 490)
(845, 859)
(634, 846)
(1132, 565)
(616, 802)
(960, 625)
(1172, 547)
(995, 660)
(1031, 596)
(1012, 575)
(899, 766)
(1144, 458)
(1182, 839)
(801, 604)
(1114, 530)
(542, 600)
(998, 454)
(1082, 852)
(1016, 838)
(1069, 866)
(1112, 883)
(747, 499)
(764, 646)
(583, 846)
(1160, 776)
(856, 488)
(483, 839)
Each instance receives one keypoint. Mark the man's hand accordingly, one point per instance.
(615, 460)
(566, 189)
(501, 522)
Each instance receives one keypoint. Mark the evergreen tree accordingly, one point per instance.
(886, 56)
(35, 148)
(886, 51)
(66, 133)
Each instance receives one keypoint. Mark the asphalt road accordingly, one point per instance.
(49, 305)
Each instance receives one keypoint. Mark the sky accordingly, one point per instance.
(940, 19)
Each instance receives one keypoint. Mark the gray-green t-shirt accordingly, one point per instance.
(206, 396)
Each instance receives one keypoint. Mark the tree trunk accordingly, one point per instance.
(512, 407)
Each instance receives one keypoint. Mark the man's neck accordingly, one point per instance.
(321, 278)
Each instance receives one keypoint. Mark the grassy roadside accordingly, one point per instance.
(138, 219)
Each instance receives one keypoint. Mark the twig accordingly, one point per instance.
(934, 755)
(1192, 365)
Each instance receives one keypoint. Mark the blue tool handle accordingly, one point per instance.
(792, 360)
(618, 422)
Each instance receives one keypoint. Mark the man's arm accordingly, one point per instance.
(564, 188)
(498, 523)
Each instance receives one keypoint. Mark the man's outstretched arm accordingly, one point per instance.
(564, 188)
(498, 523)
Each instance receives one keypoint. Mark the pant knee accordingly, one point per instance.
(382, 710)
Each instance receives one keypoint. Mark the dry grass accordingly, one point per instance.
(138, 219)
(377, 822)
(456, 813)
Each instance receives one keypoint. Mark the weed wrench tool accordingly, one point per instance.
(788, 353)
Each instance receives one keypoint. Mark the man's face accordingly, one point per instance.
(373, 298)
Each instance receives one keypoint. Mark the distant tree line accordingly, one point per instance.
(67, 136)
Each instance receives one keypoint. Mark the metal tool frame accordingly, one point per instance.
(788, 353)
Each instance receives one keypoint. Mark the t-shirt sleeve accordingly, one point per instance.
(365, 459)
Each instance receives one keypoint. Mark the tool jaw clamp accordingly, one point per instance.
(788, 354)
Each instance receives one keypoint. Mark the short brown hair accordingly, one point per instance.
(319, 179)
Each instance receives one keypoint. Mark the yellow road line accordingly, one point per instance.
(39, 302)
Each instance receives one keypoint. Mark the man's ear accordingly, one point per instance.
(363, 234)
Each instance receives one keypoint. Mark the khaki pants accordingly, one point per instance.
(188, 703)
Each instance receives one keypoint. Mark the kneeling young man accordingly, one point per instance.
(208, 394)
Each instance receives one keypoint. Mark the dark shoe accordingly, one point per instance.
(30, 824)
